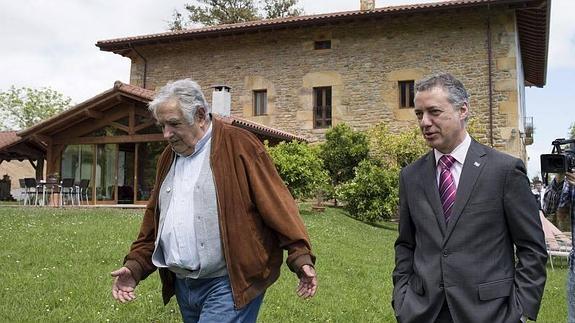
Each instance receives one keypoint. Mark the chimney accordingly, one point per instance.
(221, 100)
(367, 5)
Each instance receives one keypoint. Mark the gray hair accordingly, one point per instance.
(188, 94)
(456, 93)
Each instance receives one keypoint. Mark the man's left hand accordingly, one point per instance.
(307, 282)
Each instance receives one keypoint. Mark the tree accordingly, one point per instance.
(342, 151)
(572, 130)
(177, 22)
(23, 107)
(217, 12)
(281, 9)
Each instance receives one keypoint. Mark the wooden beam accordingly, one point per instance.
(131, 119)
(144, 125)
(110, 140)
(88, 126)
(94, 114)
(32, 163)
(41, 138)
(70, 118)
(120, 126)
(53, 158)
(144, 112)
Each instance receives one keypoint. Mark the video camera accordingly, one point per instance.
(559, 161)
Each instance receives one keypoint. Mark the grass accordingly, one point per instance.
(55, 266)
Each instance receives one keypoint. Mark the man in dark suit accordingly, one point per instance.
(470, 246)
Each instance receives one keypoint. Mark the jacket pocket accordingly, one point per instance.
(416, 284)
(495, 289)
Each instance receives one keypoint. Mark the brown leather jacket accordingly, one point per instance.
(257, 214)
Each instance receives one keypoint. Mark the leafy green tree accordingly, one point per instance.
(218, 12)
(178, 21)
(281, 8)
(300, 168)
(572, 130)
(23, 107)
(342, 151)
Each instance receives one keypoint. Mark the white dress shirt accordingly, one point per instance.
(459, 153)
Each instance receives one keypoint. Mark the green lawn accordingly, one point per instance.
(55, 266)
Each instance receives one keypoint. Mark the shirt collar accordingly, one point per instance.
(458, 153)
(201, 144)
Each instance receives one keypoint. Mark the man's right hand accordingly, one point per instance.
(570, 177)
(124, 285)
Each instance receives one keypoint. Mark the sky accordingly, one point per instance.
(47, 43)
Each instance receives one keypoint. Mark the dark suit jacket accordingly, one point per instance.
(488, 262)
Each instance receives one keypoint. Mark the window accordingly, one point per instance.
(322, 44)
(406, 94)
(322, 107)
(260, 102)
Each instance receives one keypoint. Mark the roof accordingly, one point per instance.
(80, 112)
(14, 147)
(532, 20)
(263, 132)
(7, 138)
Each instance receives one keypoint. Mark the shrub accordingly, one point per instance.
(300, 168)
(372, 195)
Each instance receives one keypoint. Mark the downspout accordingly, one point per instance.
(145, 65)
(489, 75)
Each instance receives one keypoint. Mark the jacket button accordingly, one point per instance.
(445, 253)
(441, 285)
(169, 189)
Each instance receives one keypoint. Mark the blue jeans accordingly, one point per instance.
(571, 290)
(210, 300)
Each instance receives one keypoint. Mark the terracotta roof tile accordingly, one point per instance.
(119, 43)
(135, 90)
(532, 15)
(260, 129)
(7, 138)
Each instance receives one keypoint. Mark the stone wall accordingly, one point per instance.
(366, 60)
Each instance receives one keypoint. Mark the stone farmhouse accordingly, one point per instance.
(294, 78)
(306, 74)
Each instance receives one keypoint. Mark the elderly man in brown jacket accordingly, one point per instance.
(218, 219)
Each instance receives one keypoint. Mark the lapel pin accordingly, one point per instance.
(476, 164)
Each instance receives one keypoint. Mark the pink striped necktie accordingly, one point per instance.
(447, 187)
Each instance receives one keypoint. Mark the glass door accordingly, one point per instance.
(77, 163)
(105, 179)
(126, 164)
(147, 157)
